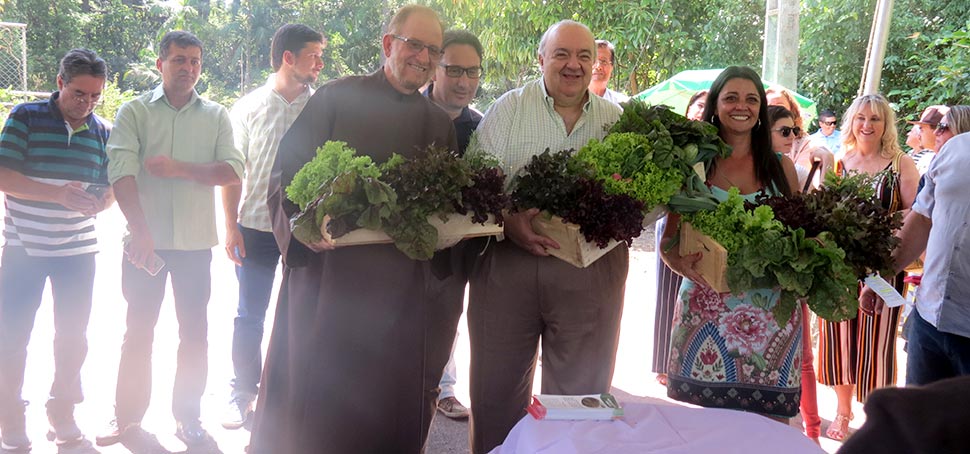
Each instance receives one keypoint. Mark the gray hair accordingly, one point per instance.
(81, 62)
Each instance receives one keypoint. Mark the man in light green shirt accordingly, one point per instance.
(169, 147)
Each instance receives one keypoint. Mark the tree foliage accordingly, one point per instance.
(925, 63)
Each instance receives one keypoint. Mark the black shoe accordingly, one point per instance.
(191, 433)
(64, 429)
(114, 433)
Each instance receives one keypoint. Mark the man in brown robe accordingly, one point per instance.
(358, 347)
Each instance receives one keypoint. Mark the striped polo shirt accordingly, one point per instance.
(38, 143)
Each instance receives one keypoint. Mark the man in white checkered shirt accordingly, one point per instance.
(259, 121)
(519, 295)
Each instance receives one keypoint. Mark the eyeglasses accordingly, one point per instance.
(87, 99)
(828, 123)
(417, 46)
(942, 127)
(603, 63)
(788, 130)
(473, 72)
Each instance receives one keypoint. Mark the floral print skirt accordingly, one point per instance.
(728, 351)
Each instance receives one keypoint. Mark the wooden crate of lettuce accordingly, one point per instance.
(713, 263)
(421, 204)
(454, 228)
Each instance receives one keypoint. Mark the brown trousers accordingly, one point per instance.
(517, 299)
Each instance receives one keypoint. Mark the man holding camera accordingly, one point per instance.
(53, 172)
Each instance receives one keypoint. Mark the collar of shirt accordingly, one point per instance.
(159, 93)
(271, 86)
(551, 102)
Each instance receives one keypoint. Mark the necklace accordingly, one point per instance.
(728, 180)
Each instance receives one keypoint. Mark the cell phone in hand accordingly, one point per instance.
(154, 265)
(97, 190)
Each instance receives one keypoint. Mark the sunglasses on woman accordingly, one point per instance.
(788, 130)
(942, 127)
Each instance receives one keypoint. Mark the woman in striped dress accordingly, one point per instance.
(668, 282)
(861, 353)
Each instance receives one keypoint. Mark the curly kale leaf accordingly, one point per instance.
(332, 159)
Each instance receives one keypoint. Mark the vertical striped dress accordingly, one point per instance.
(668, 286)
(862, 351)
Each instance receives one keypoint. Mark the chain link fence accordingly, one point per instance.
(13, 56)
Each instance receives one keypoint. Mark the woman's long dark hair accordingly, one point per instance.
(767, 166)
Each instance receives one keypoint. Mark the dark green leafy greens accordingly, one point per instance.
(565, 186)
(398, 197)
(765, 253)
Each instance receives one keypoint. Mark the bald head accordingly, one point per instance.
(566, 54)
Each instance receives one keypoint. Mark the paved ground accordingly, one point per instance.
(633, 380)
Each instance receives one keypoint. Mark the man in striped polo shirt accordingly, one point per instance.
(53, 171)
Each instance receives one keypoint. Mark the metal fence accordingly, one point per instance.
(13, 56)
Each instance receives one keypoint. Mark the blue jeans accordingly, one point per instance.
(22, 281)
(934, 355)
(191, 286)
(256, 277)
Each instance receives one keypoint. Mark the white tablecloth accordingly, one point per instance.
(666, 429)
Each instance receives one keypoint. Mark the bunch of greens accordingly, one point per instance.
(565, 186)
(397, 198)
(332, 159)
(765, 253)
(630, 163)
(690, 142)
(677, 143)
(846, 208)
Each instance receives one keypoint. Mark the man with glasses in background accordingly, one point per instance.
(603, 70)
(828, 135)
(54, 174)
(358, 343)
(453, 87)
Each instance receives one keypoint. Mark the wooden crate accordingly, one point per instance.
(713, 263)
(573, 247)
(457, 228)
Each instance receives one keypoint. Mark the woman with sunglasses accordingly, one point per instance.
(860, 353)
(804, 151)
(727, 350)
(782, 123)
(955, 122)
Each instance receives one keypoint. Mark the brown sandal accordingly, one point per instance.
(839, 429)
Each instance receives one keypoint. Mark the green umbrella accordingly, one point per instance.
(676, 91)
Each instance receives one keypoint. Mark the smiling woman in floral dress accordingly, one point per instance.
(727, 350)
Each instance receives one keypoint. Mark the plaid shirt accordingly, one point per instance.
(259, 121)
(523, 123)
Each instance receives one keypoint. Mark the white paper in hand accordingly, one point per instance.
(887, 292)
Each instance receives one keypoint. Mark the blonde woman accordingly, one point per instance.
(861, 353)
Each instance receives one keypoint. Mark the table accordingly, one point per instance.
(667, 429)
